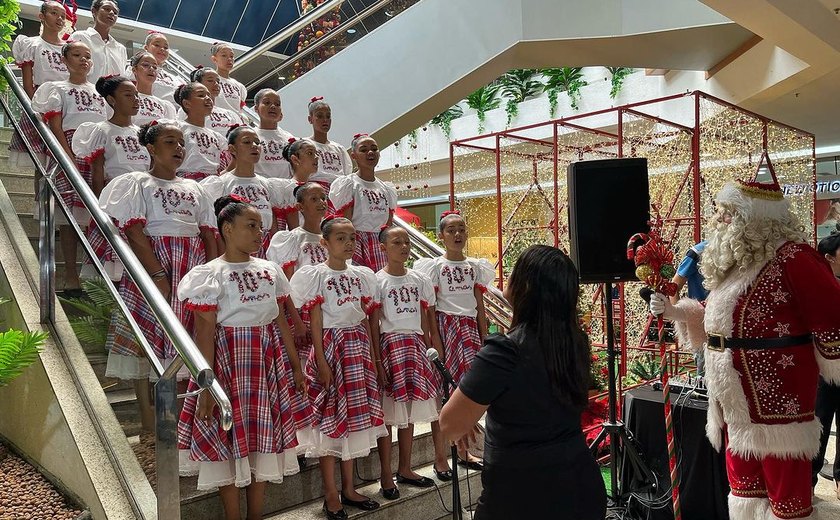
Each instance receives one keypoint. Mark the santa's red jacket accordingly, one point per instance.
(765, 397)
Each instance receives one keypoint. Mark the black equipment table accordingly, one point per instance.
(704, 486)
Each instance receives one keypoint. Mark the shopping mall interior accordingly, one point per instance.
(476, 105)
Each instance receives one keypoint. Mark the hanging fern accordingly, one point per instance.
(9, 25)
(517, 86)
(563, 79)
(445, 118)
(617, 79)
(92, 328)
(482, 101)
(18, 350)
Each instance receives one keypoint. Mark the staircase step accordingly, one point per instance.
(23, 201)
(18, 182)
(7, 166)
(307, 484)
(413, 504)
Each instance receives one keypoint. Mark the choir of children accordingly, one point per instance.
(296, 290)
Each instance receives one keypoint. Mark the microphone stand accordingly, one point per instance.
(457, 514)
(449, 383)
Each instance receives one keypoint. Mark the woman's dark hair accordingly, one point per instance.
(330, 222)
(185, 92)
(69, 45)
(384, 232)
(830, 244)
(228, 208)
(142, 53)
(198, 74)
(98, 3)
(293, 146)
(107, 85)
(234, 131)
(259, 95)
(149, 132)
(300, 190)
(46, 5)
(543, 290)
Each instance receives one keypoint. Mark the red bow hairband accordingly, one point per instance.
(292, 140)
(360, 135)
(316, 98)
(109, 76)
(450, 212)
(239, 198)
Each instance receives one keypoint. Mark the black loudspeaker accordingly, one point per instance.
(609, 201)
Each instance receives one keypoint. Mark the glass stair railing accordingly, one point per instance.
(91, 318)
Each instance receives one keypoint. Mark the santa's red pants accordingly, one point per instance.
(785, 482)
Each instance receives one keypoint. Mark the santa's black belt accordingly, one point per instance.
(719, 342)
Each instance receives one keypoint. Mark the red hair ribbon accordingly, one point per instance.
(153, 31)
(316, 98)
(109, 76)
(153, 123)
(66, 38)
(199, 66)
(292, 140)
(450, 212)
(239, 198)
(360, 135)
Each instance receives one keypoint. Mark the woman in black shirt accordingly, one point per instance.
(533, 385)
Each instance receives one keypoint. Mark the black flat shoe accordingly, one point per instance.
(391, 494)
(444, 476)
(422, 482)
(341, 514)
(365, 505)
(472, 464)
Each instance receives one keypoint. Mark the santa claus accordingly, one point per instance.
(770, 326)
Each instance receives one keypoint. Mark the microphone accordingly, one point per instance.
(646, 293)
(432, 354)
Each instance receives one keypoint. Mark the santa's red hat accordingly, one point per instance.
(756, 200)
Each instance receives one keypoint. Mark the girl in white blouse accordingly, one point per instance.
(236, 299)
(65, 105)
(333, 159)
(146, 71)
(205, 147)
(233, 93)
(273, 138)
(165, 84)
(346, 407)
(221, 118)
(367, 201)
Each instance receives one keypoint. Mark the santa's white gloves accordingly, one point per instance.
(660, 305)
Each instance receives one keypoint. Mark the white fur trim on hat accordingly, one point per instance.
(751, 207)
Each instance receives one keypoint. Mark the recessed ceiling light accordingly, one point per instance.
(351, 31)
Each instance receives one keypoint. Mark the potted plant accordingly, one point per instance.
(563, 79)
(517, 86)
(482, 101)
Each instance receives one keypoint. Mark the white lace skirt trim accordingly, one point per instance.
(257, 467)
(127, 367)
(355, 445)
(401, 414)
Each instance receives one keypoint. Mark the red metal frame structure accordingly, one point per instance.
(694, 143)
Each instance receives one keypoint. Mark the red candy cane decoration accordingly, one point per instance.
(655, 267)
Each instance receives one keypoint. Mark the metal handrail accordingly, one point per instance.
(166, 397)
(325, 39)
(495, 305)
(287, 32)
(193, 359)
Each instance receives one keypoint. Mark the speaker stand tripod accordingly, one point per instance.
(619, 436)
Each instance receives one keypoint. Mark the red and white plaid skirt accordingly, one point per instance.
(461, 342)
(177, 255)
(68, 193)
(301, 407)
(29, 132)
(411, 374)
(352, 402)
(367, 252)
(246, 367)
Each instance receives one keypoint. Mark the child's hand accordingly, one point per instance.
(206, 404)
(300, 381)
(324, 375)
